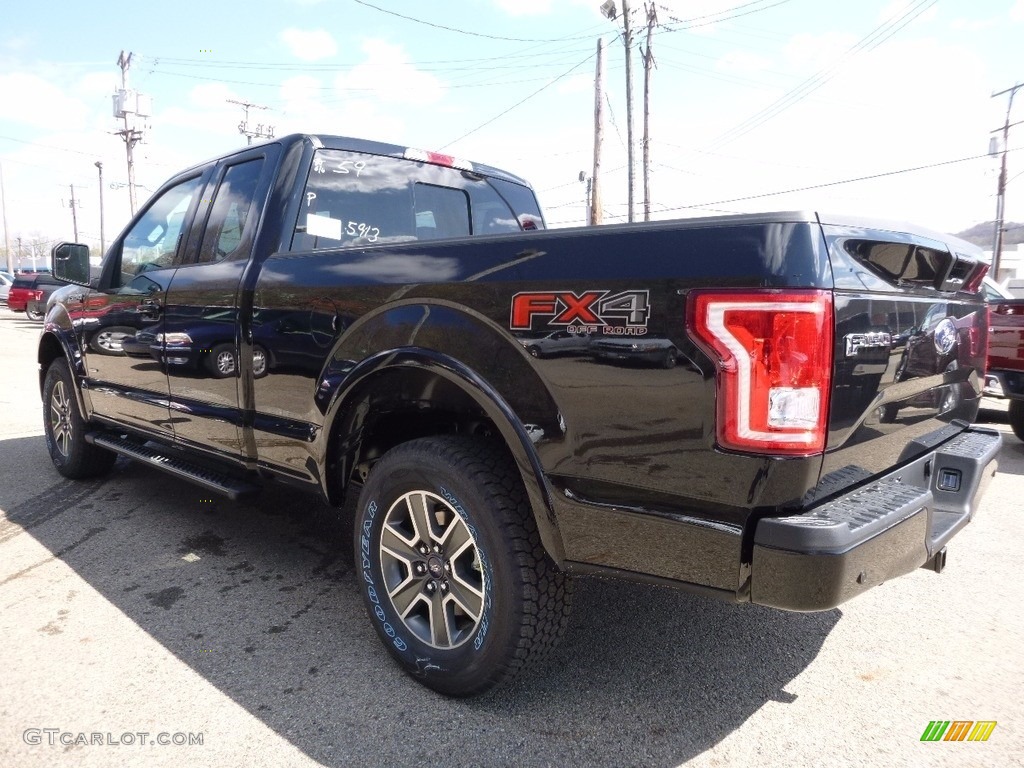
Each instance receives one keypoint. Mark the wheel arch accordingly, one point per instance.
(58, 341)
(408, 392)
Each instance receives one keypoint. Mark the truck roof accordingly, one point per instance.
(321, 141)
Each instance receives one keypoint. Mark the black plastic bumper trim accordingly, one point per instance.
(820, 558)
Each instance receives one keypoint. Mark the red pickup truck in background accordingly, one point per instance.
(1005, 370)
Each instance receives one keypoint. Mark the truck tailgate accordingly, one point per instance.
(910, 344)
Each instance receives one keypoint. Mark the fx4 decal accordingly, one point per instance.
(620, 314)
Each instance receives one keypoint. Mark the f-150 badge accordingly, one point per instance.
(621, 314)
(855, 342)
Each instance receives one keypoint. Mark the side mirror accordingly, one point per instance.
(69, 263)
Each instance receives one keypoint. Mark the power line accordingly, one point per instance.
(425, 65)
(465, 31)
(871, 41)
(830, 183)
(721, 14)
(519, 103)
(48, 146)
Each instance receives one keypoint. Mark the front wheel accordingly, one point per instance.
(65, 428)
(1017, 418)
(221, 362)
(108, 340)
(454, 577)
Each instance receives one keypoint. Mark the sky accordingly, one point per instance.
(866, 107)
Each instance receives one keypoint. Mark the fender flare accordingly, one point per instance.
(57, 330)
(344, 418)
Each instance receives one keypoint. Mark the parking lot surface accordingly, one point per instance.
(139, 617)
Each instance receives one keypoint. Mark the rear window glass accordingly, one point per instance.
(355, 199)
(900, 262)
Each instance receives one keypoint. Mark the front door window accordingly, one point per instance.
(153, 241)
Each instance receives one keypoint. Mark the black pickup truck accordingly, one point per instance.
(354, 319)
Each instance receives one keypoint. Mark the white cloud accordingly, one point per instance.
(1017, 11)
(576, 84)
(743, 62)
(97, 86)
(540, 7)
(31, 100)
(524, 7)
(817, 51)
(309, 45)
(388, 75)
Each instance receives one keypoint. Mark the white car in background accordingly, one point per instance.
(6, 279)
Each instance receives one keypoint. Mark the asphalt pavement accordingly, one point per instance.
(143, 622)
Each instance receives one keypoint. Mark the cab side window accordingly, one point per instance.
(153, 241)
(230, 227)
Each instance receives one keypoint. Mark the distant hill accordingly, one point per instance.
(981, 234)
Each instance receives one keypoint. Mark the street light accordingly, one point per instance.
(103, 241)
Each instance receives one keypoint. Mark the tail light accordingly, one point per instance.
(973, 282)
(774, 355)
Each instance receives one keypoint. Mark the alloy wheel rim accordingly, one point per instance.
(225, 362)
(110, 340)
(259, 362)
(431, 567)
(60, 418)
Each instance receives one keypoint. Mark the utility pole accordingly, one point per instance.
(128, 105)
(627, 39)
(73, 204)
(997, 246)
(594, 215)
(103, 241)
(3, 205)
(243, 127)
(652, 20)
(19, 252)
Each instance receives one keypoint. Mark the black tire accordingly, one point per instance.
(65, 428)
(34, 314)
(887, 413)
(534, 351)
(222, 361)
(1017, 418)
(497, 602)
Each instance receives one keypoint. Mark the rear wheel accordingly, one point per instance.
(65, 428)
(259, 362)
(1017, 418)
(454, 577)
(34, 314)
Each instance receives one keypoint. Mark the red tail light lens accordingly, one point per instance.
(774, 355)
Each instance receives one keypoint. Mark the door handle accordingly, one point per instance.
(150, 308)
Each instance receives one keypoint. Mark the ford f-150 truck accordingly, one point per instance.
(1005, 374)
(349, 317)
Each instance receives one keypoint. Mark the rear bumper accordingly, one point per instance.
(1005, 384)
(821, 558)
